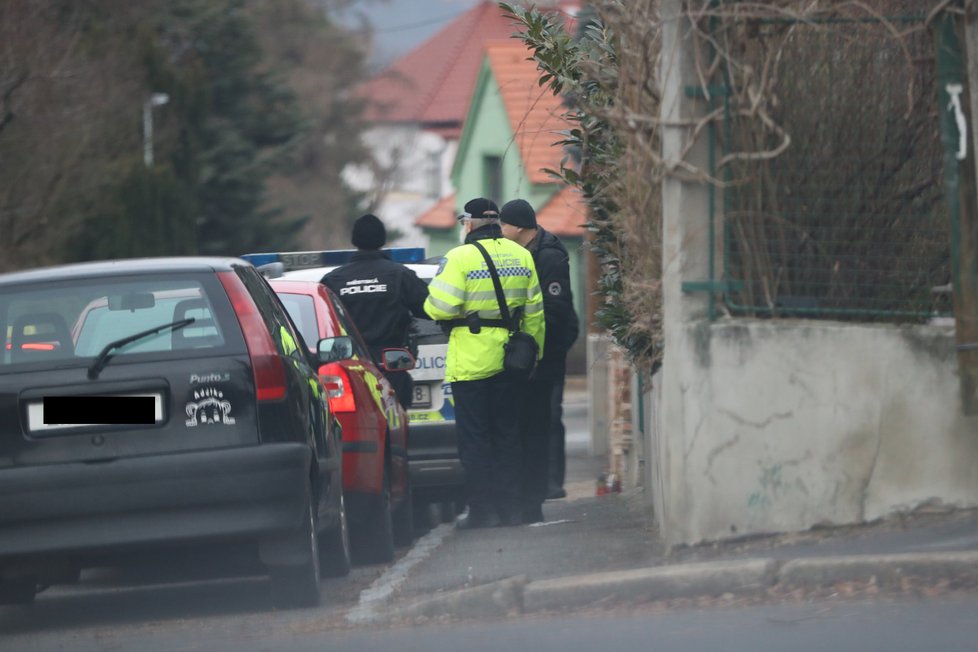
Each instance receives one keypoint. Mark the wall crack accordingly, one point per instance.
(777, 416)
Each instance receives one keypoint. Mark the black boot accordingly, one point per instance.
(556, 493)
(533, 515)
(511, 516)
(477, 518)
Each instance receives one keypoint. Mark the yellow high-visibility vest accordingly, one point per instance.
(463, 285)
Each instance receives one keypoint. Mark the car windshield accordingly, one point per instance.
(70, 321)
(302, 310)
(425, 328)
(426, 331)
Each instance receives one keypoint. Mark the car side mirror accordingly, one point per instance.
(271, 270)
(334, 349)
(397, 360)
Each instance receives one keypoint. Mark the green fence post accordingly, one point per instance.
(959, 182)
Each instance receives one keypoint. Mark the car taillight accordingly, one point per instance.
(266, 364)
(336, 380)
(37, 346)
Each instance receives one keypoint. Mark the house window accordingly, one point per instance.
(433, 174)
(493, 166)
(396, 172)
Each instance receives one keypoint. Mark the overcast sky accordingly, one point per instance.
(400, 25)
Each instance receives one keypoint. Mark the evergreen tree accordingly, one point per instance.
(257, 102)
(227, 126)
(321, 63)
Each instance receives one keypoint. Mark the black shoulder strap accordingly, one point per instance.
(500, 297)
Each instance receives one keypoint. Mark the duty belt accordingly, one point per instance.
(474, 323)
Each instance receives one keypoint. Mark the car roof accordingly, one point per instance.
(423, 270)
(125, 266)
(301, 286)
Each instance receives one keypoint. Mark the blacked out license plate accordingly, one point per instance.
(60, 412)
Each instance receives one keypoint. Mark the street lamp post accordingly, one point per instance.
(156, 99)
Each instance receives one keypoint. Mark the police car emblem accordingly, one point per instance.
(554, 289)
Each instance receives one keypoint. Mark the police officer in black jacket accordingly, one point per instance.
(380, 296)
(541, 428)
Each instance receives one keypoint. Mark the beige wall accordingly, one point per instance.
(790, 424)
(764, 426)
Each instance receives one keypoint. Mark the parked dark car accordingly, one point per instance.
(150, 403)
(375, 426)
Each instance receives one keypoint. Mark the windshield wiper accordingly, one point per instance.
(104, 356)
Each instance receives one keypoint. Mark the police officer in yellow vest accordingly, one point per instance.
(486, 398)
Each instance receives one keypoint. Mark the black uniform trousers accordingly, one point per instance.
(486, 420)
(535, 421)
(400, 381)
(558, 437)
(403, 386)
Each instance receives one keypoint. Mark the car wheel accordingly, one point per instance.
(298, 585)
(372, 540)
(335, 547)
(18, 590)
(404, 520)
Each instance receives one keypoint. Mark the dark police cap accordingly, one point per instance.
(480, 208)
(369, 232)
(518, 212)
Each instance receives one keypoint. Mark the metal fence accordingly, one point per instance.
(850, 222)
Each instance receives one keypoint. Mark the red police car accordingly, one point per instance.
(375, 427)
(433, 463)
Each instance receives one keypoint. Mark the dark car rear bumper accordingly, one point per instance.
(433, 457)
(230, 493)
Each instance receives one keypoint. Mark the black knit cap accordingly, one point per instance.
(518, 212)
(478, 208)
(369, 232)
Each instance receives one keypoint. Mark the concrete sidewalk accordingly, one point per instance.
(599, 550)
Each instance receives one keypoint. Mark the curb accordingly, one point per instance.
(647, 584)
(702, 579)
(491, 600)
(885, 570)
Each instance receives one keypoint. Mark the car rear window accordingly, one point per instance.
(75, 319)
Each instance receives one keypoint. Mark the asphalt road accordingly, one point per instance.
(214, 596)
(947, 624)
(218, 600)
(202, 598)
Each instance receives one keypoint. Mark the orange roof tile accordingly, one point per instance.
(440, 216)
(565, 213)
(534, 111)
(433, 84)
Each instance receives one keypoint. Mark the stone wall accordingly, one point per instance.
(784, 425)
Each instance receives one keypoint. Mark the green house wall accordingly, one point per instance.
(441, 240)
(487, 133)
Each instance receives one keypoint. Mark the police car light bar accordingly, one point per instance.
(306, 259)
